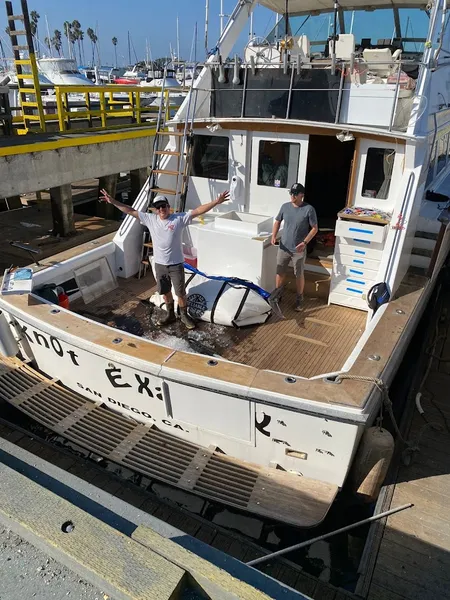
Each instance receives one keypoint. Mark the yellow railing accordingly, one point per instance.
(100, 105)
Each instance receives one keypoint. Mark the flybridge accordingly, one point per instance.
(299, 7)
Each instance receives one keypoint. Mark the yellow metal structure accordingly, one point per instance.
(110, 106)
(32, 109)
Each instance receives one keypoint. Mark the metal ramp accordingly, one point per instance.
(26, 69)
(268, 492)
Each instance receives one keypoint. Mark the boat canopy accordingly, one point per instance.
(316, 7)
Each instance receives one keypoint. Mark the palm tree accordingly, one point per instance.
(57, 41)
(92, 36)
(48, 43)
(68, 33)
(114, 41)
(81, 45)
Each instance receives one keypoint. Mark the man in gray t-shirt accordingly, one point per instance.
(166, 231)
(300, 226)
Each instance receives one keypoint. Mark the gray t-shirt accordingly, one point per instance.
(297, 222)
(167, 235)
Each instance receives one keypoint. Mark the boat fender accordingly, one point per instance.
(371, 463)
(378, 295)
(63, 298)
(8, 343)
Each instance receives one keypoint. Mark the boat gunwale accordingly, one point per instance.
(348, 399)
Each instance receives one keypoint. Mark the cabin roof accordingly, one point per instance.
(299, 7)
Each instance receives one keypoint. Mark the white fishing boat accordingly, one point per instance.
(271, 420)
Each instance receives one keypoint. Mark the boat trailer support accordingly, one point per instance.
(325, 536)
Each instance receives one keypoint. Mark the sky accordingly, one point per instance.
(155, 21)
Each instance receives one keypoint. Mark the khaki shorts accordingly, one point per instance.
(284, 258)
(166, 275)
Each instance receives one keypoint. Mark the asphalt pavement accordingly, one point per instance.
(28, 573)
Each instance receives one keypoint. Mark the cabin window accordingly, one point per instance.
(441, 153)
(378, 173)
(210, 157)
(278, 163)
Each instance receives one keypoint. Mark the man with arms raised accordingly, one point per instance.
(166, 231)
(300, 226)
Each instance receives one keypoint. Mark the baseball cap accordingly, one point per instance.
(159, 200)
(297, 188)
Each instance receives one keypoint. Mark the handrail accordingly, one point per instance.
(129, 104)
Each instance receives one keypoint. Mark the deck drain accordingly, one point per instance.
(290, 380)
(54, 311)
(212, 363)
(67, 527)
(117, 340)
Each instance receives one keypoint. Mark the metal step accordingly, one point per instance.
(148, 244)
(18, 32)
(164, 191)
(168, 152)
(20, 47)
(146, 449)
(16, 18)
(166, 172)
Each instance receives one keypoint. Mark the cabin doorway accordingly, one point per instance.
(327, 177)
(327, 186)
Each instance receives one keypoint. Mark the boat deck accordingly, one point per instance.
(316, 340)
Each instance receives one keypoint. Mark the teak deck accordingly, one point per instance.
(316, 340)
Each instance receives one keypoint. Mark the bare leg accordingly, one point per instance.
(168, 298)
(181, 301)
(280, 279)
(300, 284)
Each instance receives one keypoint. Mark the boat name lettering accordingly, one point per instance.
(48, 342)
(133, 409)
(114, 374)
(261, 426)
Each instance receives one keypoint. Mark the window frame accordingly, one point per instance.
(208, 175)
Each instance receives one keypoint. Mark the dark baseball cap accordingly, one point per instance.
(160, 201)
(297, 188)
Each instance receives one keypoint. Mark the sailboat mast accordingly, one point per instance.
(221, 17)
(48, 37)
(178, 42)
(206, 26)
(195, 43)
(129, 49)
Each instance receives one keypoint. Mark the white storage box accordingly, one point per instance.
(244, 223)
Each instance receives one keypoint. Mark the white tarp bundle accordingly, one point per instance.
(222, 302)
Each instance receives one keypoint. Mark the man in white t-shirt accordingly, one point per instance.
(166, 231)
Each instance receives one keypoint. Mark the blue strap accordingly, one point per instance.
(231, 280)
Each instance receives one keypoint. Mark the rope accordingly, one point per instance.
(387, 404)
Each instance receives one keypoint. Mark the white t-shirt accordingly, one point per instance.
(166, 236)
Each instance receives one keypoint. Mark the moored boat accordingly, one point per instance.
(364, 127)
